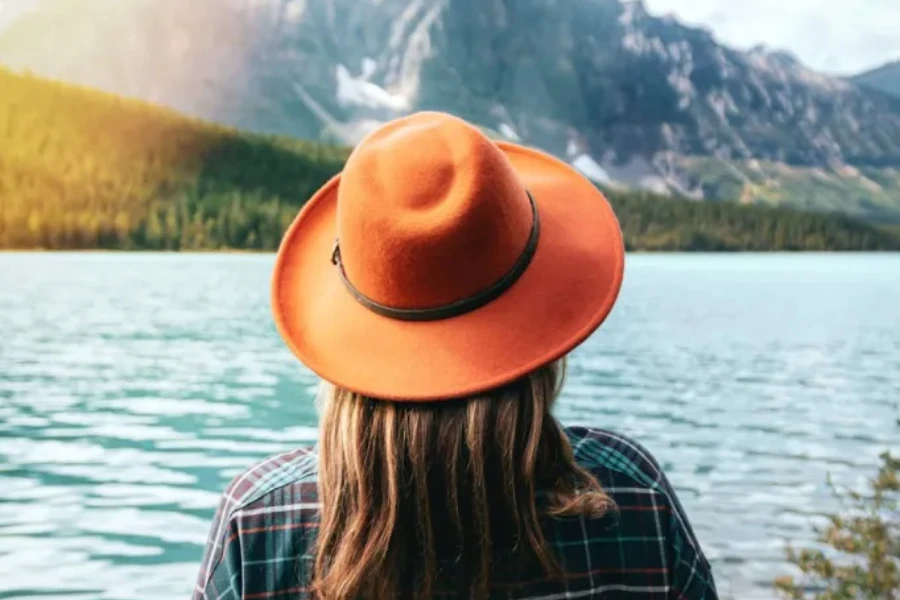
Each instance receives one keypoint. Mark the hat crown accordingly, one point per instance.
(429, 212)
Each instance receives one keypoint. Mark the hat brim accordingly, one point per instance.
(563, 296)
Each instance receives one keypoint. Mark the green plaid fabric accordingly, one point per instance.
(260, 543)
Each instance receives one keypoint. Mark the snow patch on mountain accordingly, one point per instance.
(508, 132)
(590, 169)
(357, 91)
(368, 67)
(412, 45)
(349, 133)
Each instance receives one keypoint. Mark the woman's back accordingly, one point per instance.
(437, 285)
(261, 545)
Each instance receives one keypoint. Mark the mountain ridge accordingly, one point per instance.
(631, 98)
(885, 78)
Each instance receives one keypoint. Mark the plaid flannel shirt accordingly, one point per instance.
(260, 545)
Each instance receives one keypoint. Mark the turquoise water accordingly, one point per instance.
(132, 386)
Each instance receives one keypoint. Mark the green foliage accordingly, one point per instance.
(84, 169)
(652, 223)
(866, 541)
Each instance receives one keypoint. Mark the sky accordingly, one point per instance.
(10, 9)
(834, 36)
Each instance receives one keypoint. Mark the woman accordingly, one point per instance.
(437, 284)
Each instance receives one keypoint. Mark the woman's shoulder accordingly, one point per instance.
(289, 475)
(645, 507)
(258, 508)
(617, 460)
(631, 475)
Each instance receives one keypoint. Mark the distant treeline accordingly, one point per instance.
(83, 169)
(653, 223)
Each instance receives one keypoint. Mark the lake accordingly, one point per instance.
(133, 386)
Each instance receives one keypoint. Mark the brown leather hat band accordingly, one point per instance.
(459, 307)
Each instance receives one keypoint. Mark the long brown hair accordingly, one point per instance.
(421, 497)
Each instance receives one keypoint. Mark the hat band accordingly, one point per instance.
(458, 307)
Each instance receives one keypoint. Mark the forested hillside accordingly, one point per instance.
(85, 169)
(81, 169)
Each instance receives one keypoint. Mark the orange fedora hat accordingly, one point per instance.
(441, 264)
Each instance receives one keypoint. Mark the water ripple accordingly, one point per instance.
(132, 387)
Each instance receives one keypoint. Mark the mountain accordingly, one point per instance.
(885, 78)
(630, 98)
(85, 169)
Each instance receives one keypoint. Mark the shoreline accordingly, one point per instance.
(272, 252)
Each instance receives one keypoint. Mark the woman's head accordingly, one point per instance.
(437, 276)
(439, 264)
(417, 497)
